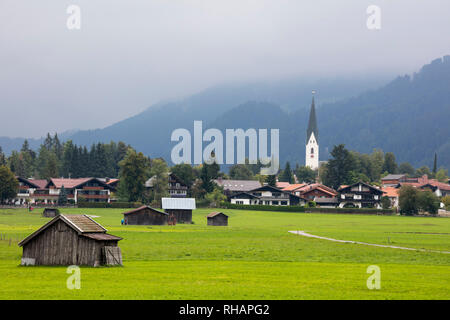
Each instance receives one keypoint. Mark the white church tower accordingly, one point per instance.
(312, 139)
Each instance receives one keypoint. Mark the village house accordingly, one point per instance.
(267, 195)
(81, 189)
(441, 189)
(233, 187)
(361, 195)
(71, 240)
(47, 191)
(392, 180)
(322, 195)
(392, 194)
(176, 187)
(26, 189)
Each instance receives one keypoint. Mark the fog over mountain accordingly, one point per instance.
(407, 115)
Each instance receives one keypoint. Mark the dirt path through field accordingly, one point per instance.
(302, 233)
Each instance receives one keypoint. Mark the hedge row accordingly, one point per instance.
(109, 205)
(307, 210)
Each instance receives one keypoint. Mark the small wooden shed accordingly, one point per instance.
(71, 240)
(180, 208)
(145, 215)
(50, 212)
(217, 219)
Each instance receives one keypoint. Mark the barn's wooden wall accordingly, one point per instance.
(61, 245)
(182, 216)
(146, 217)
(219, 220)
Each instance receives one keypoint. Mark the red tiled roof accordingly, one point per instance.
(282, 185)
(390, 192)
(112, 181)
(293, 187)
(68, 183)
(319, 186)
(41, 183)
(432, 182)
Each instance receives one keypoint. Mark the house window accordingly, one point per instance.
(312, 150)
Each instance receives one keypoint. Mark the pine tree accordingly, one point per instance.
(271, 180)
(435, 165)
(206, 178)
(338, 169)
(2, 158)
(62, 197)
(286, 175)
(48, 142)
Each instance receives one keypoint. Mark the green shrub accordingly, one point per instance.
(304, 209)
(85, 204)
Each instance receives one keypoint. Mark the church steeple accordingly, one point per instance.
(312, 124)
(312, 142)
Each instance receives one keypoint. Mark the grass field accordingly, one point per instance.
(253, 258)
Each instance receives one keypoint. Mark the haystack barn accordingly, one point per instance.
(181, 208)
(71, 240)
(217, 219)
(145, 215)
(50, 212)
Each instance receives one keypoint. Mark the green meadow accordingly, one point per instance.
(255, 257)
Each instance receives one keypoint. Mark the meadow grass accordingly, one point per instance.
(253, 258)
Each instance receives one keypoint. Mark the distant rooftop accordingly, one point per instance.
(238, 185)
(393, 176)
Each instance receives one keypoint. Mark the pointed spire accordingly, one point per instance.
(312, 124)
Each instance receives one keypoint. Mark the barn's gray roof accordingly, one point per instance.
(142, 208)
(82, 224)
(178, 203)
(101, 236)
(213, 214)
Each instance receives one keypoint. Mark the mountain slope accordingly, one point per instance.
(150, 130)
(408, 116)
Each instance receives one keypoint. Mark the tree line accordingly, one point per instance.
(56, 159)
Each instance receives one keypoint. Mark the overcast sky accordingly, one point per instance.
(130, 54)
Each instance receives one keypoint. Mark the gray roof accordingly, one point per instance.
(393, 176)
(178, 203)
(83, 224)
(238, 185)
(325, 200)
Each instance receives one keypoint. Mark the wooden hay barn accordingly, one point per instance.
(181, 208)
(217, 219)
(145, 215)
(71, 240)
(50, 212)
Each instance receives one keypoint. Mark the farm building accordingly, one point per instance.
(180, 208)
(145, 215)
(50, 212)
(217, 219)
(71, 240)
